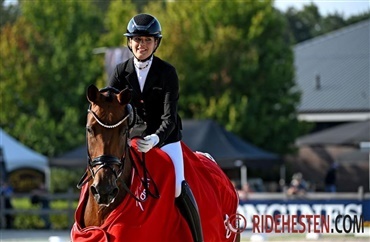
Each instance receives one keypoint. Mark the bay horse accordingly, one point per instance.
(129, 196)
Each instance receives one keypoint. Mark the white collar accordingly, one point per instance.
(142, 65)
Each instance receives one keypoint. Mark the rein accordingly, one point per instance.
(109, 160)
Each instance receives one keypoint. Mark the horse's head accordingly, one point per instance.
(107, 129)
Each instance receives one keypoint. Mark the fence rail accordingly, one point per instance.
(70, 197)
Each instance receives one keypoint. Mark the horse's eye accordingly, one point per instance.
(89, 130)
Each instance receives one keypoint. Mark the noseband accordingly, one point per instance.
(105, 161)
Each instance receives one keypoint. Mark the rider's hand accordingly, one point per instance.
(144, 145)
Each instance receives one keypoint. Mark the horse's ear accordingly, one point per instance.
(92, 93)
(124, 96)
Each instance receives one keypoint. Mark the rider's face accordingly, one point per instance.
(142, 46)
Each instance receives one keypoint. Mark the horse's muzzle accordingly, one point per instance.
(104, 195)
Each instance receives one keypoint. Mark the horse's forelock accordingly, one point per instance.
(109, 96)
(110, 93)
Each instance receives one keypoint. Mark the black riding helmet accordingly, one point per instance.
(144, 25)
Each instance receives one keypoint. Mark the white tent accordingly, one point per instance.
(17, 155)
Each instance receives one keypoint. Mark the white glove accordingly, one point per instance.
(144, 145)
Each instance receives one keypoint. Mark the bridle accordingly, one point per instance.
(109, 161)
(105, 160)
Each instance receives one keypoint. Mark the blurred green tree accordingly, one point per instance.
(115, 22)
(49, 62)
(308, 23)
(117, 16)
(304, 24)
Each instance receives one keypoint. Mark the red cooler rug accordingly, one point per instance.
(158, 219)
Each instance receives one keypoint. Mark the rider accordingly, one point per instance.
(155, 93)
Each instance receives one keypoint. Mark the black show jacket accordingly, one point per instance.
(157, 104)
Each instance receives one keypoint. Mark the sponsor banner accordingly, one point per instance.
(305, 216)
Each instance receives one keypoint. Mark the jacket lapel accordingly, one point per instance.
(131, 77)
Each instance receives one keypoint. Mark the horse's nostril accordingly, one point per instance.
(114, 192)
(104, 194)
(93, 189)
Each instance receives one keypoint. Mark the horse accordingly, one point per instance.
(129, 196)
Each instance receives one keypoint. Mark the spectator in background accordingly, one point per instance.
(242, 191)
(6, 194)
(41, 196)
(331, 178)
(298, 186)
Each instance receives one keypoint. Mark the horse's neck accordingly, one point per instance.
(95, 215)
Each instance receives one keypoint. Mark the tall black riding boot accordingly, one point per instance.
(189, 209)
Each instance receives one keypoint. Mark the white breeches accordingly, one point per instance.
(174, 151)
